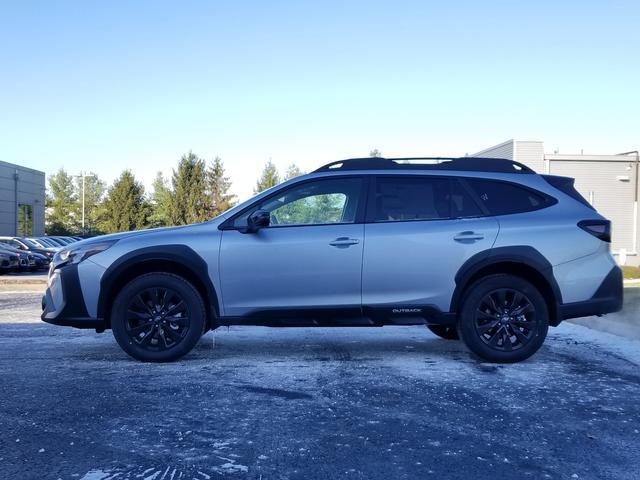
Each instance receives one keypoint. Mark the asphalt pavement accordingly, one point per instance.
(260, 403)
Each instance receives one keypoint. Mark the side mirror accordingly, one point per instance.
(257, 220)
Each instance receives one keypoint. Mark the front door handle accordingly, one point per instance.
(344, 242)
(468, 236)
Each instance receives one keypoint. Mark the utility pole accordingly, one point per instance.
(83, 175)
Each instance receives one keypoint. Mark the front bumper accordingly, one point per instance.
(607, 299)
(63, 303)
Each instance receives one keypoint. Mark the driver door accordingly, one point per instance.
(308, 258)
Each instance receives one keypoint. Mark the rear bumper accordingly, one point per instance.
(607, 299)
(63, 303)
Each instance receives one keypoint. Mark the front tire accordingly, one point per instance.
(444, 331)
(158, 317)
(503, 319)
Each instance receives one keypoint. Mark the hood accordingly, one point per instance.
(121, 235)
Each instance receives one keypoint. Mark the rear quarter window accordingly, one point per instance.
(504, 198)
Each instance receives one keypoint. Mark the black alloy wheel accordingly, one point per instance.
(158, 317)
(503, 318)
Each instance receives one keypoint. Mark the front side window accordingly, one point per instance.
(503, 198)
(320, 202)
(401, 198)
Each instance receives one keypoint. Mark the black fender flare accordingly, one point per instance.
(517, 255)
(182, 255)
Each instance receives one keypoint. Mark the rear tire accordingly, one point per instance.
(158, 317)
(503, 319)
(447, 332)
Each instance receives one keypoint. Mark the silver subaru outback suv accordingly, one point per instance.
(484, 250)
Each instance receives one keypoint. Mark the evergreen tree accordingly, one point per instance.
(218, 187)
(269, 178)
(292, 172)
(189, 200)
(61, 203)
(160, 215)
(375, 153)
(125, 206)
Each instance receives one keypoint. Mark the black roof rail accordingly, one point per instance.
(472, 164)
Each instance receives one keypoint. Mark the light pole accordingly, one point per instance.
(83, 175)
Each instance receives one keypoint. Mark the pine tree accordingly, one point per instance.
(292, 172)
(160, 206)
(218, 187)
(189, 202)
(61, 211)
(125, 206)
(269, 178)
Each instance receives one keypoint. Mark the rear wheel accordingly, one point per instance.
(503, 319)
(445, 331)
(158, 317)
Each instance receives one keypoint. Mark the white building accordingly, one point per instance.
(608, 182)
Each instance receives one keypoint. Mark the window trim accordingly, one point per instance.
(462, 181)
(360, 209)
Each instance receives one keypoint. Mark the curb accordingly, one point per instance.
(22, 281)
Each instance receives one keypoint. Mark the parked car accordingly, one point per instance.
(25, 244)
(41, 261)
(46, 242)
(9, 262)
(61, 240)
(485, 250)
(26, 261)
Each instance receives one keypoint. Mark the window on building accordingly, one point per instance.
(25, 220)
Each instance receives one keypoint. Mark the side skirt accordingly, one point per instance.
(377, 316)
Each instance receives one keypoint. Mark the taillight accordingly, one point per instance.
(597, 228)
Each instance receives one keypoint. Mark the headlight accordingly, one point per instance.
(76, 255)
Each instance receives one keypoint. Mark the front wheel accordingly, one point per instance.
(444, 331)
(503, 319)
(158, 317)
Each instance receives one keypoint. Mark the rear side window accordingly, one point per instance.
(504, 198)
(411, 198)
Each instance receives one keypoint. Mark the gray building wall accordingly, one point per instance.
(30, 191)
(608, 182)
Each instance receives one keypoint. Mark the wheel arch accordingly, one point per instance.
(177, 259)
(522, 261)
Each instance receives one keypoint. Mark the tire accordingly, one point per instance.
(158, 317)
(503, 319)
(445, 331)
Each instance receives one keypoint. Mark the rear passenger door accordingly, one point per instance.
(420, 229)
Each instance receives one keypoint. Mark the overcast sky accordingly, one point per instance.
(105, 86)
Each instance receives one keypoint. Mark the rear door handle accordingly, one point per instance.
(344, 242)
(468, 236)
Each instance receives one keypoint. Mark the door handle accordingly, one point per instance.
(344, 242)
(468, 236)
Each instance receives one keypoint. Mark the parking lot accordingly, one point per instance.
(387, 403)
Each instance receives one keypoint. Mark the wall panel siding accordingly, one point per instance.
(503, 150)
(613, 198)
